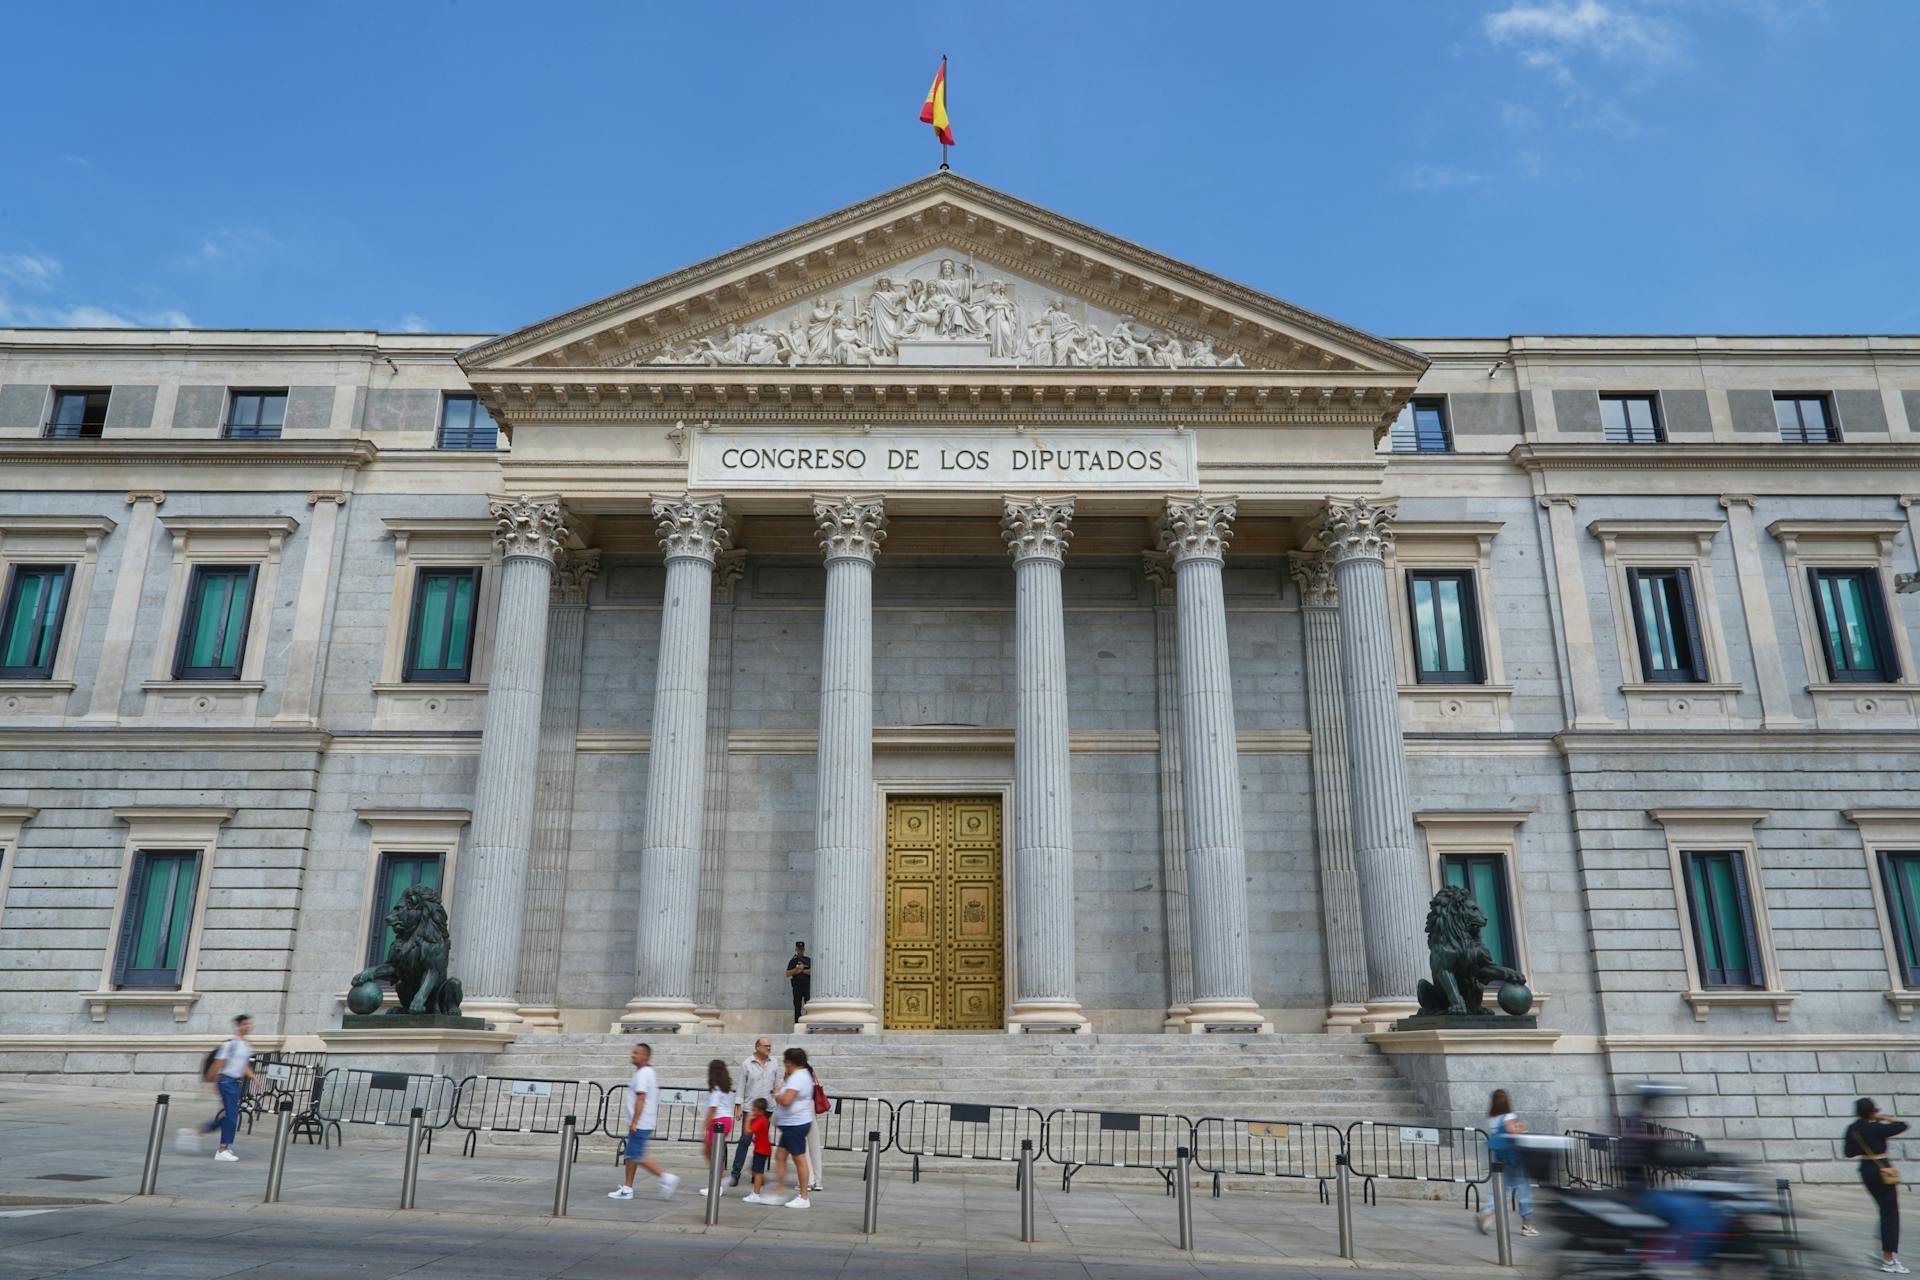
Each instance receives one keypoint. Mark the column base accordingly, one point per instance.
(1176, 1019)
(710, 1018)
(539, 1017)
(1226, 1016)
(501, 1013)
(1382, 1014)
(1048, 1017)
(838, 1017)
(1346, 1018)
(673, 1017)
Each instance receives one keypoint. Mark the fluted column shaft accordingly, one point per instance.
(1037, 531)
(692, 534)
(850, 530)
(492, 885)
(1173, 838)
(1195, 534)
(1393, 878)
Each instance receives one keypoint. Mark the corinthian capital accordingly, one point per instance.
(850, 528)
(1314, 576)
(1357, 530)
(528, 526)
(691, 527)
(571, 574)
(1197, 528)
(1037, 528)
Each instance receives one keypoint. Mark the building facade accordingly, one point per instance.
(1054, 636)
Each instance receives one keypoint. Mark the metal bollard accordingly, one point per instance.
(277, 1155)
(563, 1176)
(1784, 1190)
(1183, 1196)
(1026, 1190)
(1502, 1227)
(156, 1134)
(870, 1212)
(718, 1141)
(410, 1171)
(1343, 1205)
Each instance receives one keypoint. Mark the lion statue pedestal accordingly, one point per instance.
(416, 965)
(1462, 969)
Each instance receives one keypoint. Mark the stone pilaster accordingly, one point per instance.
(1195, 533)
(706, 955)
(553, 792)
(1340, 921)
(1393, 877)
(305, 657)
(1037, 531)
(851, 530)
(528, 533)
(129, 582)
(1173, 839)
(693, 532)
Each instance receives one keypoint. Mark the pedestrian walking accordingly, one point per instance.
(793, 1110)
(1867, 1139)
(643, 1110)
(800, 974)
(717, 1121)
(758, 1076)
(230, 1070)
(817, 1139)
(759, 1132)
(1502, 1125)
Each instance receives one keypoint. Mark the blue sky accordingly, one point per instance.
(1416, 169)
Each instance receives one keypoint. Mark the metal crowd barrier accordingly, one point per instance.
(288, 1076)
(1077, 1139)
(1418, 1153)
(525, 1104)
(845, 1127)
(1223, 1146)
(677, 1118)
(353, 1095)
(1591, 1161)
(963, 1130)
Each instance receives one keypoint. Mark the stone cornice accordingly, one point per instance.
(1694, 457)
(135, 738)
(122, 452)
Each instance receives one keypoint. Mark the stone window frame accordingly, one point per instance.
(12, 818)
(454, 543)
(1668, 544)
(1849, 544)
(161, 828)
(217, 540)
(1482, 831)
(405, 831)
(1715, 830)
(52, 540)
(1888, 831)
(1483, 707)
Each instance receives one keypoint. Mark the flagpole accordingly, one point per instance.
(945, 86)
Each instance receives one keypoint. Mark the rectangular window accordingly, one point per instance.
(36, 601)
(256, 415)
(1804, 419)
(1446, 627)
(157, 920)
(78, 415)
(213, 625)
(1484, 877)
(1852, 618)
(1631, 419)
(1900, 877)
(1666, 625)
(440, 636)
(398, 873)
(1422, 427)
(466, 424)
(1722, 908)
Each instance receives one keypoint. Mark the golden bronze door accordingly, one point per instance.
(944, 961)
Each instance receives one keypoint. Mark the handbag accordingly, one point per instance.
(1889, 1176)
(821, 1103)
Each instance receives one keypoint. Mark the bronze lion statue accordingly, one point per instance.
(416, 963)
(1462, 965)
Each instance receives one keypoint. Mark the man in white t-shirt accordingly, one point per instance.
(229, 1069)
(643, 1109)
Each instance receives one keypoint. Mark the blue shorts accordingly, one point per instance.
(793, 1138)
(637, 1145)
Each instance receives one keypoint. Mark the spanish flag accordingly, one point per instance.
(935, 110)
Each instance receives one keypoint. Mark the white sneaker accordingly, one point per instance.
(669, 1183)
(1526, 1229)
(1486, 1222)
(1896, 1267)
(816, 1187)
(187, 1141)
(723, 1189)
(799, 1202)
(226, 1157)
(620, 1193)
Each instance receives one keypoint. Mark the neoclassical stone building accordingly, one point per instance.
(1053, 635)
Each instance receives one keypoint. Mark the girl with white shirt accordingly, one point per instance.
(718, 1121)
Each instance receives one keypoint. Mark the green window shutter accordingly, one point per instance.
(440, 632)
(158, 920)
(35, 603)
(1900, 876)
(397, 873)
(213, 630)
(1723, 920)
(1484, 877)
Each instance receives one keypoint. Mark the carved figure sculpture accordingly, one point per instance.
(1462, 965)
(416, 963)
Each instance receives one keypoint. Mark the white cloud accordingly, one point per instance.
(36, 270)
(1440, 177)
(411, 323)
(76, 160)
(1609, 30)
(86, 315)
(225, 246)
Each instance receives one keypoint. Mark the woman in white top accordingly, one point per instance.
(793, 1112)
(718, 1121)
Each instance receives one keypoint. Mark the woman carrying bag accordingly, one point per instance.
(1867, 1139)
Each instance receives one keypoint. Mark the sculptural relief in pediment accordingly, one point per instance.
(946, 308)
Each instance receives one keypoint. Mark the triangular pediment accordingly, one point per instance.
(942, 272)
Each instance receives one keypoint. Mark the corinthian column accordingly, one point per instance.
(493, 871)
(1332, 794)
(1194, 533)
(692, 533)
(851, 530)
(1393, 878)
(1037, 530)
